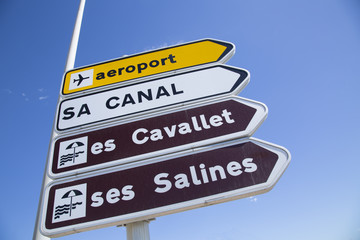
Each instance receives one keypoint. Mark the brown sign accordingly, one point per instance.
(174, 131)
(214, 174)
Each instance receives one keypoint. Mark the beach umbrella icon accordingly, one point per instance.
(74, 145)
(70, 194)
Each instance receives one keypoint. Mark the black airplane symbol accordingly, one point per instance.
(81, 78)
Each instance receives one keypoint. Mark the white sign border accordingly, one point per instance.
(255, 123)
(279, 168)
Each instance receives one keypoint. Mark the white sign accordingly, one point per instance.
(214, 81)
(72, 152)
(69, 203)
(81, 79)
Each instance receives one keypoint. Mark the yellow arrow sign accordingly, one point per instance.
(146, 64)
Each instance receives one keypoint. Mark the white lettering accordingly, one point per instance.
(127, 192)
(170, 133)
(109, 145)
(194, 176)
(156, 135)
(181, 181)
(249, 165)
(218, 169)
(135, 136)
(226, 115)
(112, 196)
(167, 184)
(183, 128)
(233, 168)
(216, 121)
(97, 199)
(216, 173)
(96, 148)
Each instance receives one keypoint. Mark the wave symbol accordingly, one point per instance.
(69, 157)
(65, 209)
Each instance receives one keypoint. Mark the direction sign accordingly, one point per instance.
(164, 185)
(193, 126)
(148, 63)
(214, 81)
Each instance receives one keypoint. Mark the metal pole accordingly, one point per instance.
(138, 231)
(69, 65)
(75, 38)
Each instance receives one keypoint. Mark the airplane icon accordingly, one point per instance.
(79, 81)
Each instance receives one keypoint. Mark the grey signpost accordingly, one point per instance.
(186, 129)
(69, 65)
(136, 231)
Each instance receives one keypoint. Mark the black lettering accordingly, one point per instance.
(100, 76)
(130, 69)
(141, 66)
(154, 63)
(163, 61)
(68, 111)
(128, 99)
(142, 94)
(175, 92)
(111, 73)
(84, 110)
(171, 57)
(162, 92)
(109, 106)
(120, 70)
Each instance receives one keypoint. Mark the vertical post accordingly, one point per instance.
(75, 38)
(69, 65)
(138, 231)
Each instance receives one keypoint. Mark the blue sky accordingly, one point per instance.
(304, 61)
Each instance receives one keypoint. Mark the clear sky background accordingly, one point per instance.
(304, 60)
